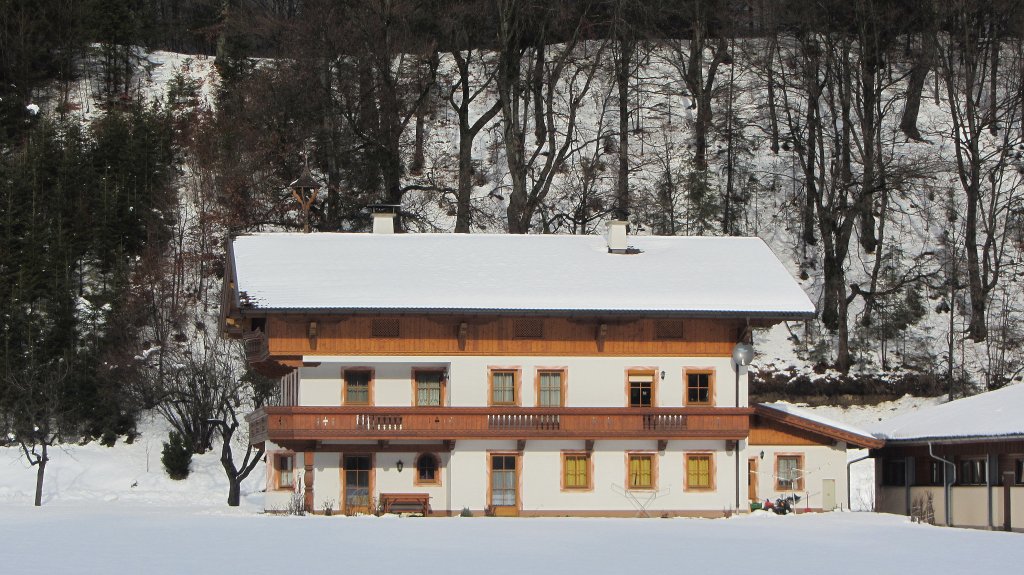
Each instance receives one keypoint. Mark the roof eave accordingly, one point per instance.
(728, 314)
(795, 420)
(950, 439)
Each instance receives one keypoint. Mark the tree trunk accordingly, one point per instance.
(462, 215)
(622, 67)
(234, 492)
(915, 88)
(40, 472)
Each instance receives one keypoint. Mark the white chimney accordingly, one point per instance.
(616, 236)
(383, 223)
(384, 218)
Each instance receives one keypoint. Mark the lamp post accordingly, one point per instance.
(304, 190)
(742, 354)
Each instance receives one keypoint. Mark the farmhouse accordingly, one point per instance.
(522, 374)
(959, 463)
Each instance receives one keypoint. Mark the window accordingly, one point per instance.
(284, 469)
(699, 471)
(504, 387)
(894, 472)
(972, 471)
(1018, 471)
(549, 388)
(357, 387)
(641, 389)
(668, 329)
(699, 387)
(429, 388)
(389, 327)
(504, 480)
(935, 475)
(427, 472)
(641, 473)
(575, 471)
(530, 328)
(789, 472)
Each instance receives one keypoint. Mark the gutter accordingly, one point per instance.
(947, 485)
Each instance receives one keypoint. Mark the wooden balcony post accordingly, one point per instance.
(307, 480)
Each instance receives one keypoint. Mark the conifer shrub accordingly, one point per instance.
(177, 457)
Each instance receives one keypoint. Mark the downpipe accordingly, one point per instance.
(849, 486)
(947, 485)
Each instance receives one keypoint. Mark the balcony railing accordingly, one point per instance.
(287, 424)
(256, 347)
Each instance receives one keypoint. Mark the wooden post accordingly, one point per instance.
(307, 479)
(1007, 484)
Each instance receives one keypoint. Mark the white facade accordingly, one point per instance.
(589, 381)
(464, 472)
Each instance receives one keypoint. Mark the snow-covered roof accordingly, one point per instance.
(492, 272)
(995, 414)
(818, 422)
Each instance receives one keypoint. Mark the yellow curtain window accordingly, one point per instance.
(640, 471)
(575, 471)
(698, 471)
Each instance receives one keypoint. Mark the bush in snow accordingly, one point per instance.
(177, 457)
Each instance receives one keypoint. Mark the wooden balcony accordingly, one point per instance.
(284, 425)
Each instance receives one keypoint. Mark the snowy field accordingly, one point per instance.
(119, 539)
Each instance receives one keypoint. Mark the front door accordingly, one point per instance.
(752, 479)
(357, 483)
(504, 485)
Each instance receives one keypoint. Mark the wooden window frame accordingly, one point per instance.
(653, 455)
(710, 456)
(1017, 466)
(436, 482)
(587, 456)
(536, 384)
(799, 467)
(444, 385)
(275, 458)
(712, 388)
(517, 396)
(519, 476)
(643, 370)
(344, 385)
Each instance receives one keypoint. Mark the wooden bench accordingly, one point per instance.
(416, 501)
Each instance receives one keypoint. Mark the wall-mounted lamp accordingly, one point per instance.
(663, 375)
(401, 465)
(762, 454)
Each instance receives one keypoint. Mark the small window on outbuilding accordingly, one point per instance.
(894, 472)
(973, 471)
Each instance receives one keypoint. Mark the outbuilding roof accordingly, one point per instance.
(810, 421)
(354, 272)
(992, 415)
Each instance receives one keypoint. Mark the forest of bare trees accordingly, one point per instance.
(876, 145)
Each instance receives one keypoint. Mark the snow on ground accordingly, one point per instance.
(124, 475)
(117, 539)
